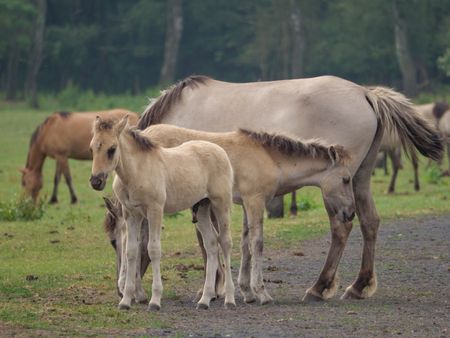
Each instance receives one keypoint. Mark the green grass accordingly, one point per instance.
(70, 264)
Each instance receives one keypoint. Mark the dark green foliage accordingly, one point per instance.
(117, 46)
(21, 209)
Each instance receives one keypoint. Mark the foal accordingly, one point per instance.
(152, 180)
(266, 165)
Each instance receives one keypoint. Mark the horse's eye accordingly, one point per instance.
(346, 180)
(111, 151)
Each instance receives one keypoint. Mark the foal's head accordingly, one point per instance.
(31, 182)
(337, 188)
(105, 150)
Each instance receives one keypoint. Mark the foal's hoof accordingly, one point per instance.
(202, 306)
(230, 306)
(153, 307)
(124, 307)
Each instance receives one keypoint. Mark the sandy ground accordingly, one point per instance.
(413, 297)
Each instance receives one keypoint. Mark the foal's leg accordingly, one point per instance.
(58, 170)
(123, 262)
(395, 156)
(365, 284)
(327, 284)
(209, 238)
(222, 215)
(140, 295)
(255, 213)
(134, 222)
(155, 217)
(66, 171)
(244, 271)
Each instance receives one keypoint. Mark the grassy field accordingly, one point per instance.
(69, 262)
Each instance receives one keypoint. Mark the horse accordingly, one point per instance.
(149, 182)
(327, 107)
(61, 136)
(434, 114)
(264, 165)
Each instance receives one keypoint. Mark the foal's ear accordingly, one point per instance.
(333, 153)
(122, 123)
(110, 206)
(97, 122)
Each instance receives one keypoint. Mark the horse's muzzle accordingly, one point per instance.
(98, 182)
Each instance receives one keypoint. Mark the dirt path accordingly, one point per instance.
(413, 298)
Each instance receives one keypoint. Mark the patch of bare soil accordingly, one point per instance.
(413, 297)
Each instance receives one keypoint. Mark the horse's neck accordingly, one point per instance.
(36, 157)
(300, 171)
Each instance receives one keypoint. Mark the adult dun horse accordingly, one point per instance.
(62, 136)
(330, 108)
(150, 181)
(264, 165)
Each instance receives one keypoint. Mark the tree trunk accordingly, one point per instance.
(298, 40)
(11, 78)
(405, 60)
(173, 37)
(275, 208)
(36, 54)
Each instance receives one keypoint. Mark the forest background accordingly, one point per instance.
(131, 47)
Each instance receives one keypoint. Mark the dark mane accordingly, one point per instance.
(64, 114)
(110, 220)
(439, 109)
(155, 111)
(141, 141)
(295, 147)
(34, 137)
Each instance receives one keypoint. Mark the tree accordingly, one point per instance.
(36, 54)
(173, 36)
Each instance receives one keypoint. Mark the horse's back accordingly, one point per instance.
(328, 107)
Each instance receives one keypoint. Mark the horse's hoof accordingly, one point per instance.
(124, 307)
(230, 306)
(311, 298)
(266, 299)
(74, 200)
(350, 293)
(53, 200)
(153, 307)
(202, 306)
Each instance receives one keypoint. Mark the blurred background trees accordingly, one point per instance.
(117, 46)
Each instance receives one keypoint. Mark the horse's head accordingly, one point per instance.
(337, 188)
(31, 182)
(105, 150)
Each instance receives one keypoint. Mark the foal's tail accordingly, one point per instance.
(397, 115)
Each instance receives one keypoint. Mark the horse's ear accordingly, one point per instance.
(333, 153)
(110, 206)
(122, 123)
(22, 170)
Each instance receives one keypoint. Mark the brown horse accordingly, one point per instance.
(264, 166)
(332, 109)
(62, 136)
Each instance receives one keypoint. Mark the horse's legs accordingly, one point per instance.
(222, 214)
(123, 262)
(244, 271)
(155, 217)
(365, 284)
(415, 164)
(58, 169)
(396, 165)
(140, 295)
(134, 222)
(255, 212)
(293, 208)
(327, 284)
(209, 238)
(66, 171)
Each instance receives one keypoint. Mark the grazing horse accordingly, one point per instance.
(62, 136)
(330, 108)
(267, 165)
(152, 180)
